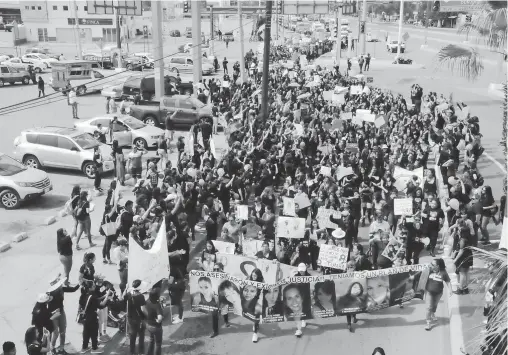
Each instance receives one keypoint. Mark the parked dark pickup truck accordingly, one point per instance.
(190, 110)
(145, 86)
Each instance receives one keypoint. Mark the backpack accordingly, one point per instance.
(79, 211)
(118, 221)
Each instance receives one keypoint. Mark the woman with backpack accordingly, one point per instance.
(82, 214)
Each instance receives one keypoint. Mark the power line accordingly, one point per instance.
(13, 108)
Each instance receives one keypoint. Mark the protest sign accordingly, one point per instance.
(242, 212)
(333, 256)
(302, 200)
(212, 148)
(288, 206)
(403, 176)
(369, 117)
(340, 90)
(286, 271)
(317, 78)
(380, 121)
(346, 116)
(357, 121)
(190, 145)
(242, 266)
(326, 171)
(225, 84)
(356, 90)
(463, 113)
(389, 287)
(290, 227)
(360, 113)
(392, 249)
(151, 265)
(337, 124)
(370, 79)
(352, 147)
(328, 95)
(343, 171)
(224, 247)
(303, 60)
(403, 207)
(338, 99)
(323, 217)
(298, 127)
(297, 115)
(292, 74)
(251, 246)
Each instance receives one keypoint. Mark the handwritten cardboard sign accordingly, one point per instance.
(326, 171)
(290, 227)
(224, 247)
(302, 201)
(333, 256)
(288, 206)
(356, 90)
(242, 212)
(403, 207)
(346, 116)
(323, 217)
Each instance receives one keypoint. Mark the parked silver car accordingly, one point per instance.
(60, 147)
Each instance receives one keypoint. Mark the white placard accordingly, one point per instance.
(356, 90)
(323, 217)
(224, 247)
(251, 246)
(290, 227)
(403, 176)
(326, 171)
(288, 206)
(242, 212)
(379, 122)
(333, 256)
(346, 116)
(403, 207)
(212, 148)
(317, 78)
(343, 171)
(338, 99)
(302, 200)
(225, 84)
(369, 117)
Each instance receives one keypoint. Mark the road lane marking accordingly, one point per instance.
(495, 161)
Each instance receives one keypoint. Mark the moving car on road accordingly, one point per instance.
(228, 36)
(83, 75)
(60, 147)
(128, 131)
(42, 51)
(19, 63)
(185, 65)
(20, 183)
(391, 46)
(144, 85)
(12, 75)
(189, 111)
(174, 33)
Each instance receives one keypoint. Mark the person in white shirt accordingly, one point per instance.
(73, 101)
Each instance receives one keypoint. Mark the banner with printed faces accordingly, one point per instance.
(307, 297)
(242, 267)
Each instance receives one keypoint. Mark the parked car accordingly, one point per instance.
(40, 57)
(12, 75)
(103, 60)
(174, 33)
(20, 183)
(228, 36)
(189, 111)
(9, 26)
(146, 59)
(42, 51)
(19, 63)
(133, 63)
(392, 46)
(128, 131)
(60, 147)
(185, 65)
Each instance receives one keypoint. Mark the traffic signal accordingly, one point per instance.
(185, 6)
(279, 7)
(362, 27)
(436, 6)
(468, 18)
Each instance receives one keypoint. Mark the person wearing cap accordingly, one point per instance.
(41, 316)
(135, 317)
(57, 289)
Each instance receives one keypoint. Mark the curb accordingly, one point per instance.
(20, 237)
(455, 320)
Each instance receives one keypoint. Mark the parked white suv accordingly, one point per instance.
(60, 147)
(185, 65)
(19, 183)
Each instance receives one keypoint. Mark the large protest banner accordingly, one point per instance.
(251, 246)
(347, 293)
(403, 176)
(224, 247)
(290, 227)
(149, 266)
(242, 266)
(333, 256)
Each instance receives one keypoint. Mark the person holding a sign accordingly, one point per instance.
(433, 219)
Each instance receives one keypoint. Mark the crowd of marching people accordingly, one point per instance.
(270, 159)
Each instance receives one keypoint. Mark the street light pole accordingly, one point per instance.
(338, 18)
(196, 40)
(80, 51)
(158, 52)
(212, 33)
(242, 49)
(364, 22)
(399, 39)
(427, 16)
(266, 60)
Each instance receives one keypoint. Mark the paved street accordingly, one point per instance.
(28, 267)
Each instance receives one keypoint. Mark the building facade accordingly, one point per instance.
(55, 21)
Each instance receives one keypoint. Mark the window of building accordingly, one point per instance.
(27, 7)
(55, 8)
(85, 8)
(33, 7)
(39, 8)
(66, 8)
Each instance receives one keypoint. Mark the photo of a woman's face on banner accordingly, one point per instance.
(306, 297)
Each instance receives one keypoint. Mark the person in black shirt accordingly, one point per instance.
(202, 97)
(89, 304)
(135, 317)
(126, 219)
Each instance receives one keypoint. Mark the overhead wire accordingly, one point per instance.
(36, 102)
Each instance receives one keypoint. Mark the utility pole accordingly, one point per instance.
(196, 40)
(80, 51)
(242, 49)
(427, 16)
(212, 33)
(363, 26)
(158, 53)
(266, 60)
(401, 16)
(118, 38)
